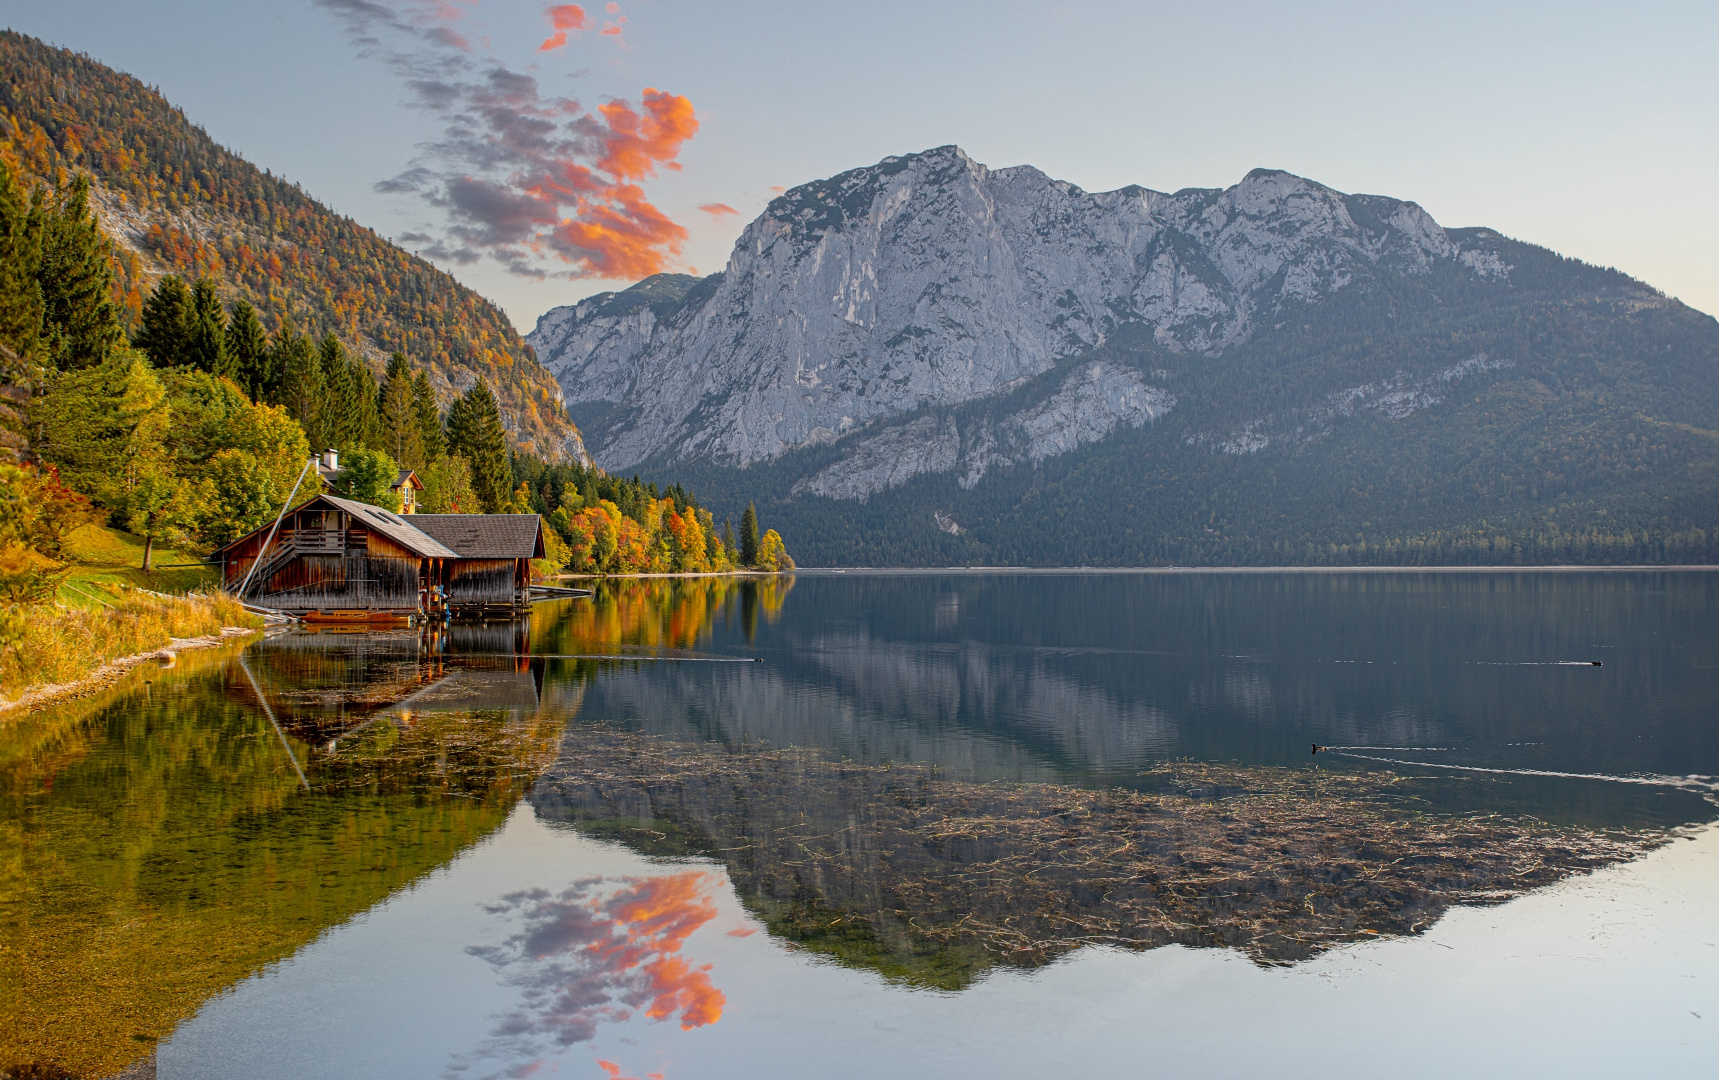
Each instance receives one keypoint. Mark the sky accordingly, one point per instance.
(541, 169)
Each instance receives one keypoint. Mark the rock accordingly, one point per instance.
(930, 280)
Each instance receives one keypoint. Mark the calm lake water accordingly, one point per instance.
(855, 825)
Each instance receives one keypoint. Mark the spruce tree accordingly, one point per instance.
(366, 423)
(302, 390)
(207, 347)
(399, 415)
(749, 536)
(248, 352)
(475, 432)
(339, 395)
(79, 315)
(20, 259)
(168, 317)
(430, 433)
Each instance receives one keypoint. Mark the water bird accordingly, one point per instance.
(1317, 748)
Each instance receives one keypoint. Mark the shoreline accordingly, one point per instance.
(675, 574)
(1066, 570)
(37, 698)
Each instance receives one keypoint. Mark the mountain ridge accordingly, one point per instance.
(920, 348)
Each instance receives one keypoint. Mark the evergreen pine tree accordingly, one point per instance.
(76, 276)
(728, 539)
(398, 411)
(366, 423)
(749, 536)
(208, 339)
(248, 352)
(475, 432)
(168, 316)
(339, 417)
(20, 259)
(302, 389)
(430, 433)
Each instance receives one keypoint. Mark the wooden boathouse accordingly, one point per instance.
(336, 555)
(492, 573)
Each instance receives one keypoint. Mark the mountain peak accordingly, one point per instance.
(927, 279)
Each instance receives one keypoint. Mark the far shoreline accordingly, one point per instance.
(1071, 570)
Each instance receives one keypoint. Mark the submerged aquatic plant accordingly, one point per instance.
(932, 881)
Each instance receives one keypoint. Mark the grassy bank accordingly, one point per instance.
(100, 554)
(61, 643)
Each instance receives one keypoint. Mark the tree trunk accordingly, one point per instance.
(148, 544)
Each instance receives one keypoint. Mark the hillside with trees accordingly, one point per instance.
(176, 203)
(198, 428)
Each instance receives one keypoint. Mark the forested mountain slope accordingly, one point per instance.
(930, 361)
(178, 203)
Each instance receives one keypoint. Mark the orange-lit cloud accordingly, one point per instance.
(535, 181)
(596, 953)
(636, 143)
(778, 190)
(743, 931)
(716, 209)
(563, 17)
(612, 28)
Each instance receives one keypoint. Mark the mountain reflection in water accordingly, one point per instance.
(934, 775)
(928, 777)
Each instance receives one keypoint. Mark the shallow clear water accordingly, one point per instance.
(952, 824)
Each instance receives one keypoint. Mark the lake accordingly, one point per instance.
(969, 824)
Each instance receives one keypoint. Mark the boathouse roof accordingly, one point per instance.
(486, 536)
(393, 526)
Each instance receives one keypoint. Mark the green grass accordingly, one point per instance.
(102, 555)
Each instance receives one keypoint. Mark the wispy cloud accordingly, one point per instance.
(532, 179)
(598, 952)
(716, 209)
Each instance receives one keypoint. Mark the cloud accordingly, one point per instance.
(530, 179)
(636, 143)
(778, 190)
(563, 17)
(598, 952)
(716, 209)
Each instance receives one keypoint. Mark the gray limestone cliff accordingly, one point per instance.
(929, 281)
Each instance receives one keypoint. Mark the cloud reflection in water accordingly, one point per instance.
(596, 953)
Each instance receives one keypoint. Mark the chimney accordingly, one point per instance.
(331, 460)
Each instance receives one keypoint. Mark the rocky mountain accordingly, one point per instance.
(951, 340)
(176, 202)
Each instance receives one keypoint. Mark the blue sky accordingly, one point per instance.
(1587, 128)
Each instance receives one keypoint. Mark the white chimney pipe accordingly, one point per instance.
(332, 458)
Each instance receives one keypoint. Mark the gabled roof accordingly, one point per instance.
(408, 476)
(393, 526)
(486, 536)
